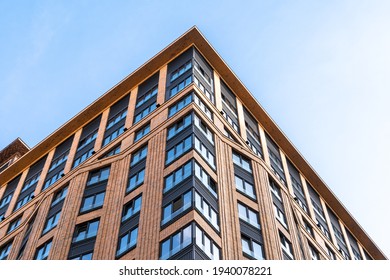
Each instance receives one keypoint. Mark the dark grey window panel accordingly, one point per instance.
(251, 232)
(129, 224)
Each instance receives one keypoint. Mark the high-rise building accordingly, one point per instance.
(177, 161)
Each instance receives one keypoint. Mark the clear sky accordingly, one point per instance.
(319, 68)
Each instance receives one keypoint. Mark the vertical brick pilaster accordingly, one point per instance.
(150, 216)
(107, 239)
(66, 225)
(230, 229)
(267, 216)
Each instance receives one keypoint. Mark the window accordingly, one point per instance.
(206, 179)
(92, 202)
(5, 250)
(203, 107)
(286, 247)
(179, 149)
(199, 123)
(136, 180)
(5, 200)
(53, 179)
(176, 207)
(344, 253)
(83, 157)
(356, 254)
(206, 244)
(59, 196)
(178, 176)
(338, 234)
(147, 96)
(98, 176)
(204, 152)
(200, 70)
(30, 182)
(252, 248)
(14, 224)
(114, 151)
(275, 190)
(84, 256)
(242, 162)
(318, 209)
(175, 90)
(244, 187)
(117, 118)
(232, 122)
(142, 132)
(248, 215)
(51, 222)
(314, 253)
(203, 89)
(113, 135)
(43, 251)
(145, 112)
(176, 242)
(131, 208)
(179, 126)
(277, 166)
(87, 139)
(324, 230)
(331, 254)
(280, 216)
(86, 230)
(59, 160)
(206, 210)
(308, 227)
(182, 69)
(24, 200)
(232, 107)
(139, 155)
(127, 241)
(179, 105)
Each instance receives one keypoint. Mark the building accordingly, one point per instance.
(177, 161)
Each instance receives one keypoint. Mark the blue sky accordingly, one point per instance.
(319, 68)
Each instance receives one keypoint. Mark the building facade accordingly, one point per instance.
(177, 161)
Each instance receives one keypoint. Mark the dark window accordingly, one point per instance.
(131, 208)
(146, 96)
(5, 250)
(86, 230)
(83, 157)
(14, 224)
(207, 245)
(139, 155)
(92, 202)
(206, 210)
(98, 176)
(178, 176)
(206, 179)
(179, 149)
(179, 126)
(176, 207)
(252, 248)
(286, 247)
(113, 135)
(24, 200)
(180, 86)
(83, 256)
(127, 241)
(244, 186)
(145, 112)
(248, 215)
(179, 105)
(176, 242)
(242, 162)
(59, 196)
(136, 180)
(182, 69)
(43, 251)
(142, 132)
(51, 222)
